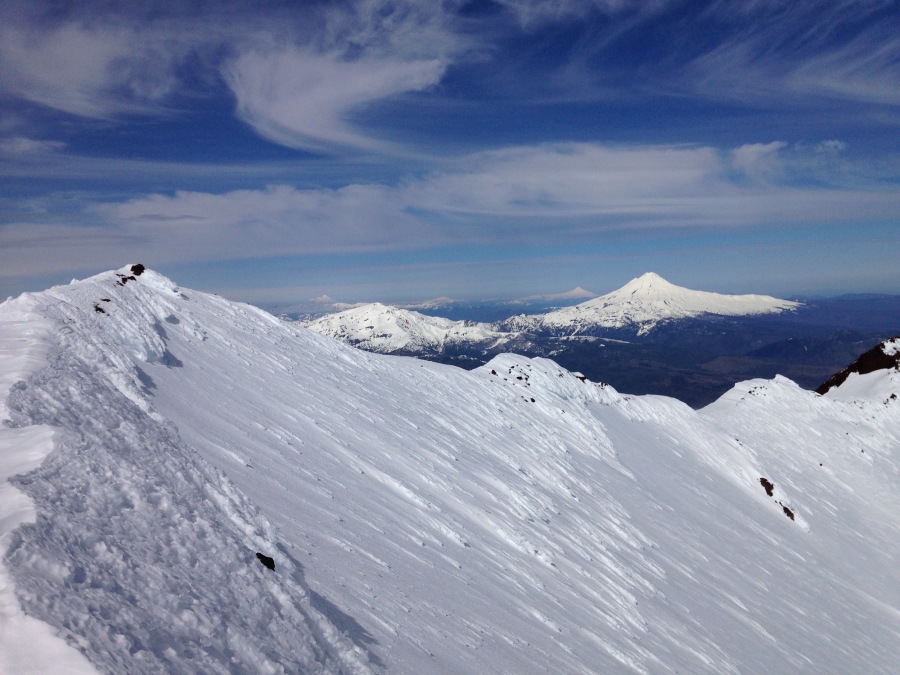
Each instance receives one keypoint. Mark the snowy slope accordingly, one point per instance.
(875, 374)
(386, 329)
(648, 300)
(425, 519)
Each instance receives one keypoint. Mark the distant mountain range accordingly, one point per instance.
(485, 311)
(386, 329)
(648, 337)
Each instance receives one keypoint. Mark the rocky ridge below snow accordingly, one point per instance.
(884, 358)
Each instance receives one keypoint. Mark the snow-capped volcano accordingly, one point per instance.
(386, 329)
(414, 518)
(648, 300)
(642, 303)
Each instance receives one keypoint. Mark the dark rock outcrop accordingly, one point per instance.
(874, 359)
(265, 560)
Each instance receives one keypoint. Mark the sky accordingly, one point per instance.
(403, 150)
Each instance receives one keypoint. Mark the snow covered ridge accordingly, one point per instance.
(386, 329)
(875, 369)
(227, 492)
(642, 303)
(648, 300)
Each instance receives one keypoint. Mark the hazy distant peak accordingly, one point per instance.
(430, 304)
(577, 292)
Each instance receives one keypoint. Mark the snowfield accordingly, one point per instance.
(421, 518)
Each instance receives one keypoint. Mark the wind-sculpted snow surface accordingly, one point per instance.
(143, 554)
(424, 519)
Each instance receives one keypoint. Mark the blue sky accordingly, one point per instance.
(382, 150)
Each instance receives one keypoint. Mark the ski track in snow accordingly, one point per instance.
(425, 519)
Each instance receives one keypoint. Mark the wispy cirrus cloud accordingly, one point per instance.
(536, 190)
(304, 75)
(516, 196)
(799, 52)
(298, 76)
(301, 99)
(19, 147)
(358, 217)
(758, 161)
(305, 92)
(570, 180)
(197, 226)
(534, 13)
(93, 71)
(758, 53)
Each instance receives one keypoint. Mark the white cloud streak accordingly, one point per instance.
(570, 180)
(546, 194)
(92, 71)
(297, 77)
(799, 52)
(304, 100)
(758, 161)
(301, 77)
(533, 13)
(19, 147)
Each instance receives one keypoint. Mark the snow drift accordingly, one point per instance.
(421, 518)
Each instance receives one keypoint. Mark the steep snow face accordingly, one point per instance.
(873, 375)
(425, 519)
(382, 328)
(142, 554)
(650, 299)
